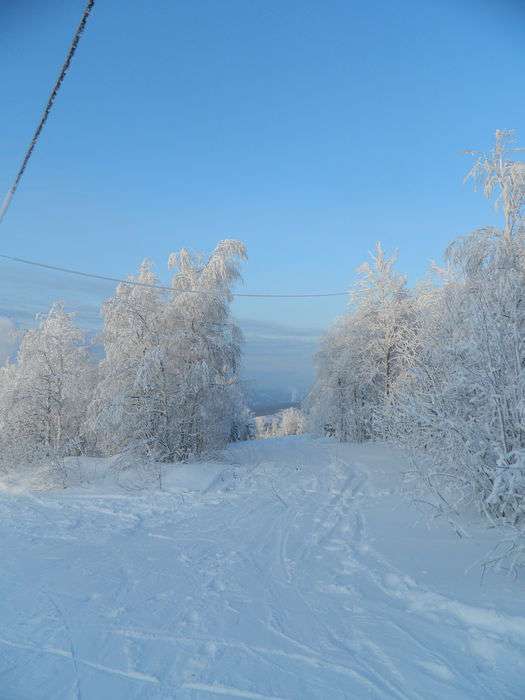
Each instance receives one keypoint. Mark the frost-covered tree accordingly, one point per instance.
(334, 402)
(359, 358)
(131, 407)
(502, 175)
(460, 400)
(208, 346)
(382, 314)
(169, 385)
(45, 393)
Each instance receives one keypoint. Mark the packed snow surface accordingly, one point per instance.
(291, 569)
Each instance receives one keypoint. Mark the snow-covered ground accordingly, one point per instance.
(293, 569)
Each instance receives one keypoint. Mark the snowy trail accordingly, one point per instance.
(295, 573)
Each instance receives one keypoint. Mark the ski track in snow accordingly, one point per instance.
(266, 585)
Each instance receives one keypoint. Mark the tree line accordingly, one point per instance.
(439, 369)
(166, 390)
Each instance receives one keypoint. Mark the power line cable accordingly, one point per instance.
(48, 107)
(92, 275)
(9, 196)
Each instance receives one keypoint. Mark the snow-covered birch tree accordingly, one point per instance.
(45, 393)
(208, 347)
(130, 410)
(169, 385)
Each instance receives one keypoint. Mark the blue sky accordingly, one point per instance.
(308, 129)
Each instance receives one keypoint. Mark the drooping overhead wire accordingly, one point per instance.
(92, 275)
(48, 107)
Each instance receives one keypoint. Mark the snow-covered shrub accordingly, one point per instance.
(266, 426)
(291, 422)
(244, 424)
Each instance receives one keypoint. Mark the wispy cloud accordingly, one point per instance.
(277, 358)
(24, 295)
(270, 330)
